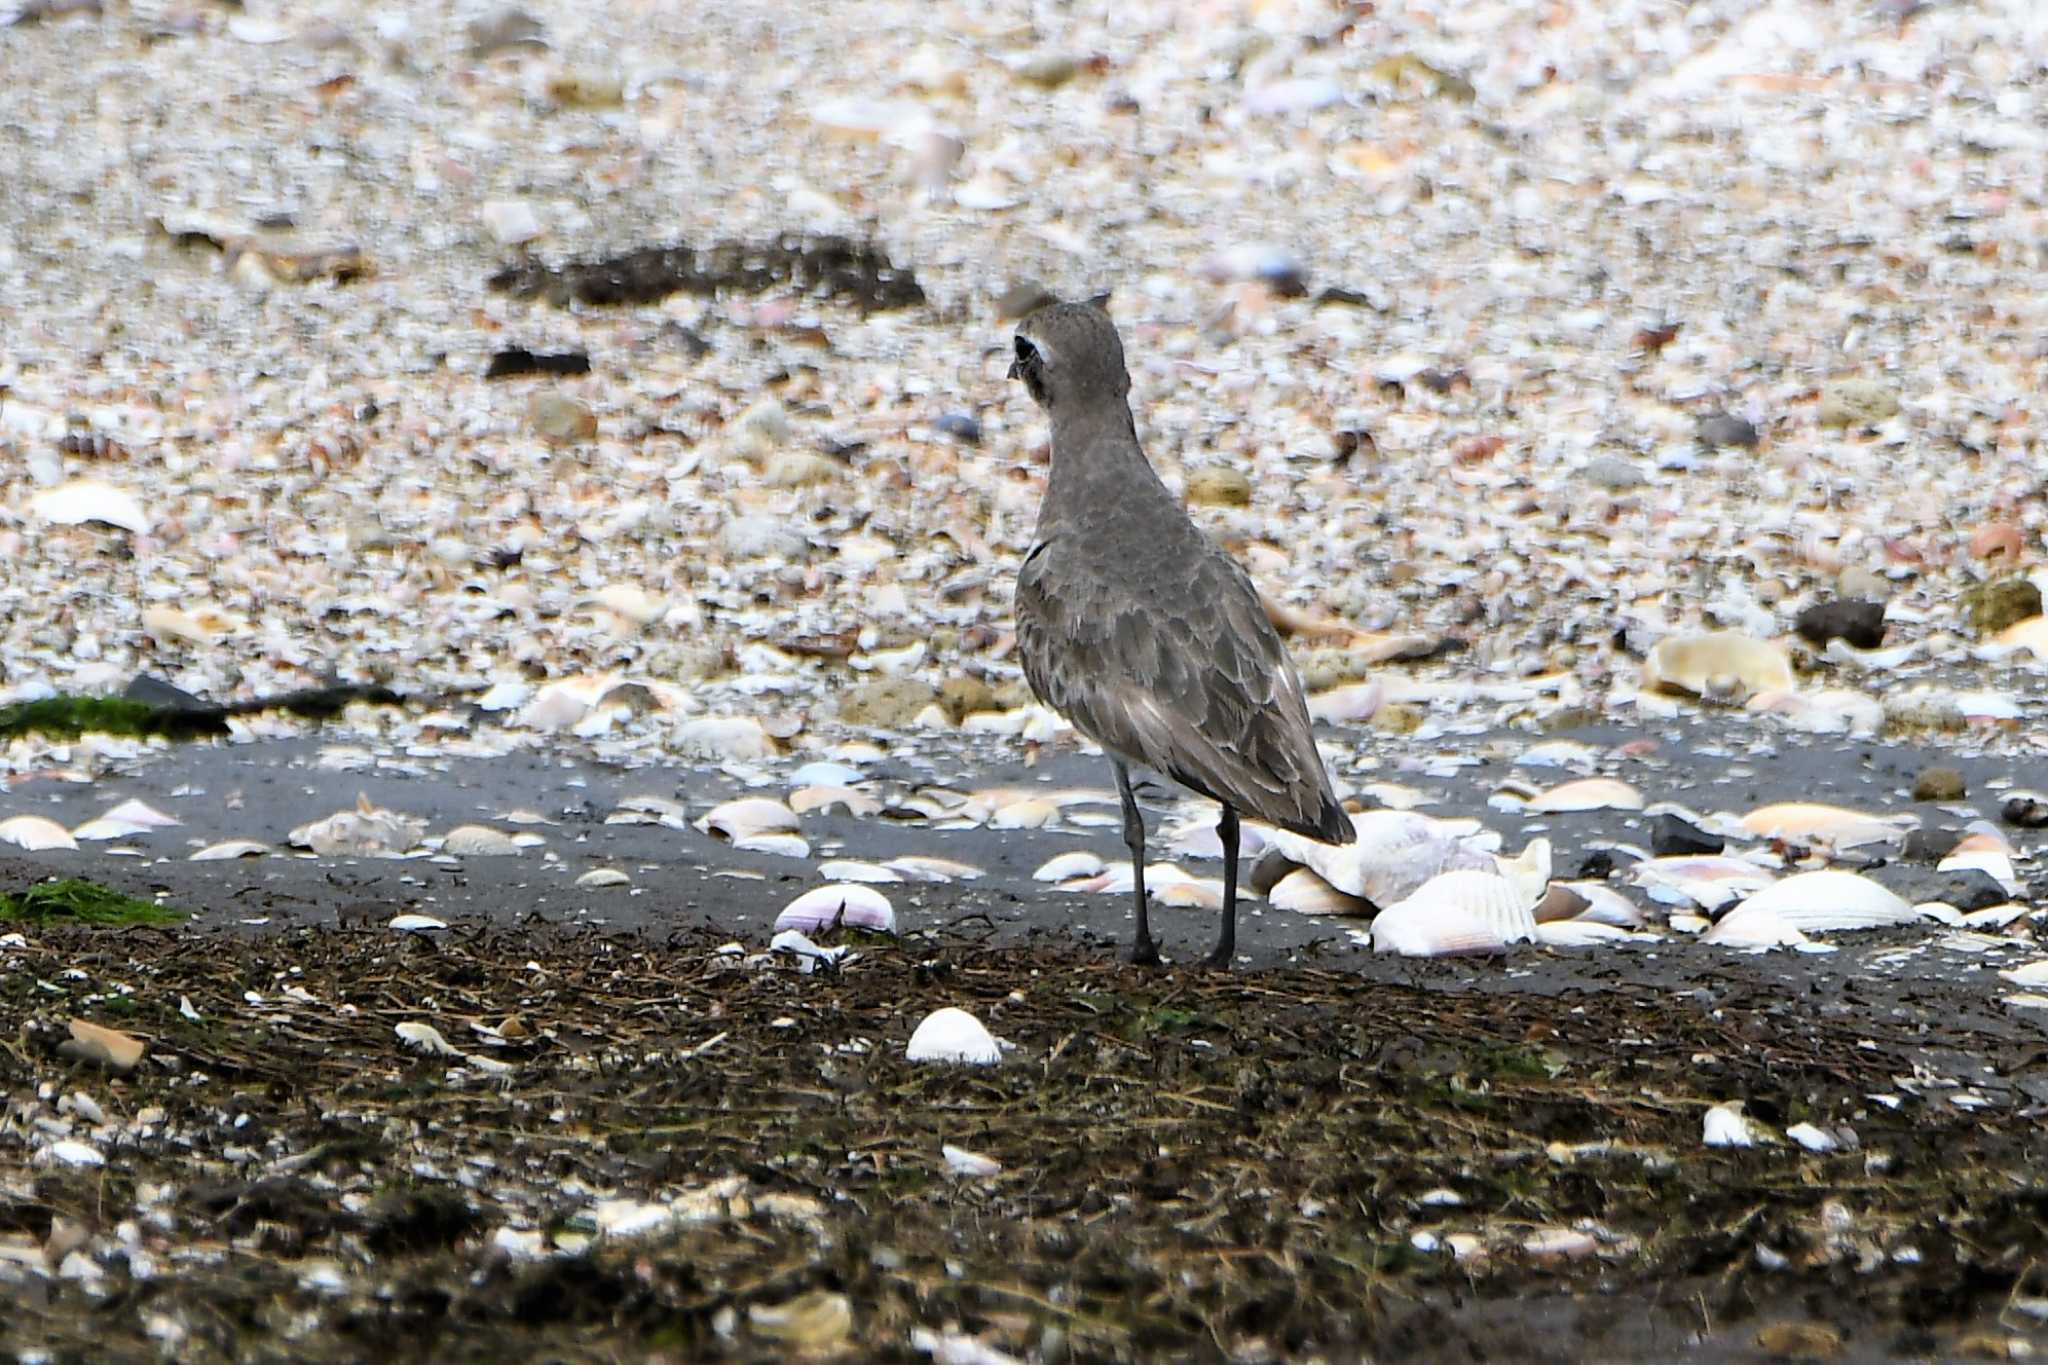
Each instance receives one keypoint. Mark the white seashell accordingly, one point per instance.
(1067, 866)
(202, 626)
(859, 804)
(1588, 793)
(1353, 703)
(35, 833)
(725, 738)
(2030, 634)
(1811, 1138)
(2029, 974)
(229, 849)
(1709, 881)
(1030, 814)
(823, 773)
(808, 954)
(1605, 905)
(920, 867)
(600, 877)
(848, 870)
(1192, 894)
(749, 817)
(781, 845)
(953, 1035)
(1560, 753)
(1305, 893)
(1727, 1126)
(1802, 820)
(649, 810)
(1395, 853)
(1756, 931)
(505, 696)
(511, 222)
(1462, 911)
(630, 1218)
(415, 924)
(478, 841)
(824, 907)
(969, 1165)
(1821, 901)
(367, 831)
(426, 1038)
(1721, 665)
(1993, 863)
(70, 1152)
(103, 828)
(84, 500)
(1588, 933)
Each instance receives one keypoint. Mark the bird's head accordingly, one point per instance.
(1070, 353)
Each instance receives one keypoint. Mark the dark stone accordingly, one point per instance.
(1939, 784)
(960, 427)
(518, 360)
(1925, 845)
(1672, 837)
(1597, 865)
(1725, 429)
(2025, 810)
(1851, 619)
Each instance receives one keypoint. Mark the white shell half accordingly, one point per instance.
(1305, 893)
(953, 1035)
(1463, 911)
(854, 905)
(747, 818)
(35, 833)
(1396, 852)
(1815, 902)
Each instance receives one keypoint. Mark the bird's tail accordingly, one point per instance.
(1333, 825)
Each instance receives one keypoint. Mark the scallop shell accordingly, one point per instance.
(1588, 793)
(35, 833)
(953, 1035)
(852, 904)
(1462, 911)
(1832, 899)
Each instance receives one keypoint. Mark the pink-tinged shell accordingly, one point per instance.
(851, 904)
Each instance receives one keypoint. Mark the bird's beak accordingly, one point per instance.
(1013, 370)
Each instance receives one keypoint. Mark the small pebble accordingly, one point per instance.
(1718, 429)
(1857, 623)
(1673, 837)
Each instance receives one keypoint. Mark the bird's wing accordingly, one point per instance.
(1205, 695)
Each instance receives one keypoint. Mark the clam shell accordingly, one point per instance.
(749, 818)
(1067, 866)
(1724, 664)
(1587, 933)
(1836, 825)
(84, 500)
(1758, 930)
(478, 841)
(1710, 881)
(229, 849)
(953, 1035)
(1820, 901)
(35, 833)
(1588, 793)
(919, 867)
(1462, 911)
(860, 804)
(852, 904)
(1305, 893)
(850, 870)
(1605, 905)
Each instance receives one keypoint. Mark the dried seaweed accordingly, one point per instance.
(858, 273)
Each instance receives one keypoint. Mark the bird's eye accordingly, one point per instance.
(1026, 352)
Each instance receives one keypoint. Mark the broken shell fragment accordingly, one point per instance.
(1810, 821)
(750, 817)
(1395, 853)
(953, 1035)
(87, 500)
(478, 841)
(111, 1048)
(367, 831)
(825, 907)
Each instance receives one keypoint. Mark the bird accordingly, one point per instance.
(1146, 634)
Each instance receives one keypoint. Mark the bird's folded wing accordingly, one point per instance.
(1204, 694)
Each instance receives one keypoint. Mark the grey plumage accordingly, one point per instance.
(1143, 632)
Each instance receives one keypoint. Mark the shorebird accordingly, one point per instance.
(1145, 633)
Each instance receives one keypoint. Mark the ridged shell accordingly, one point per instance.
(1463, 911)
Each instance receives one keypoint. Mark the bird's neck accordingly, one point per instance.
(1095, 444)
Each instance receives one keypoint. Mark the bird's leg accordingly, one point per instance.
(1143, 951)
(1226, 945)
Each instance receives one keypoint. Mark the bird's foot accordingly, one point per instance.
(1144, 953)
(1220, 961)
